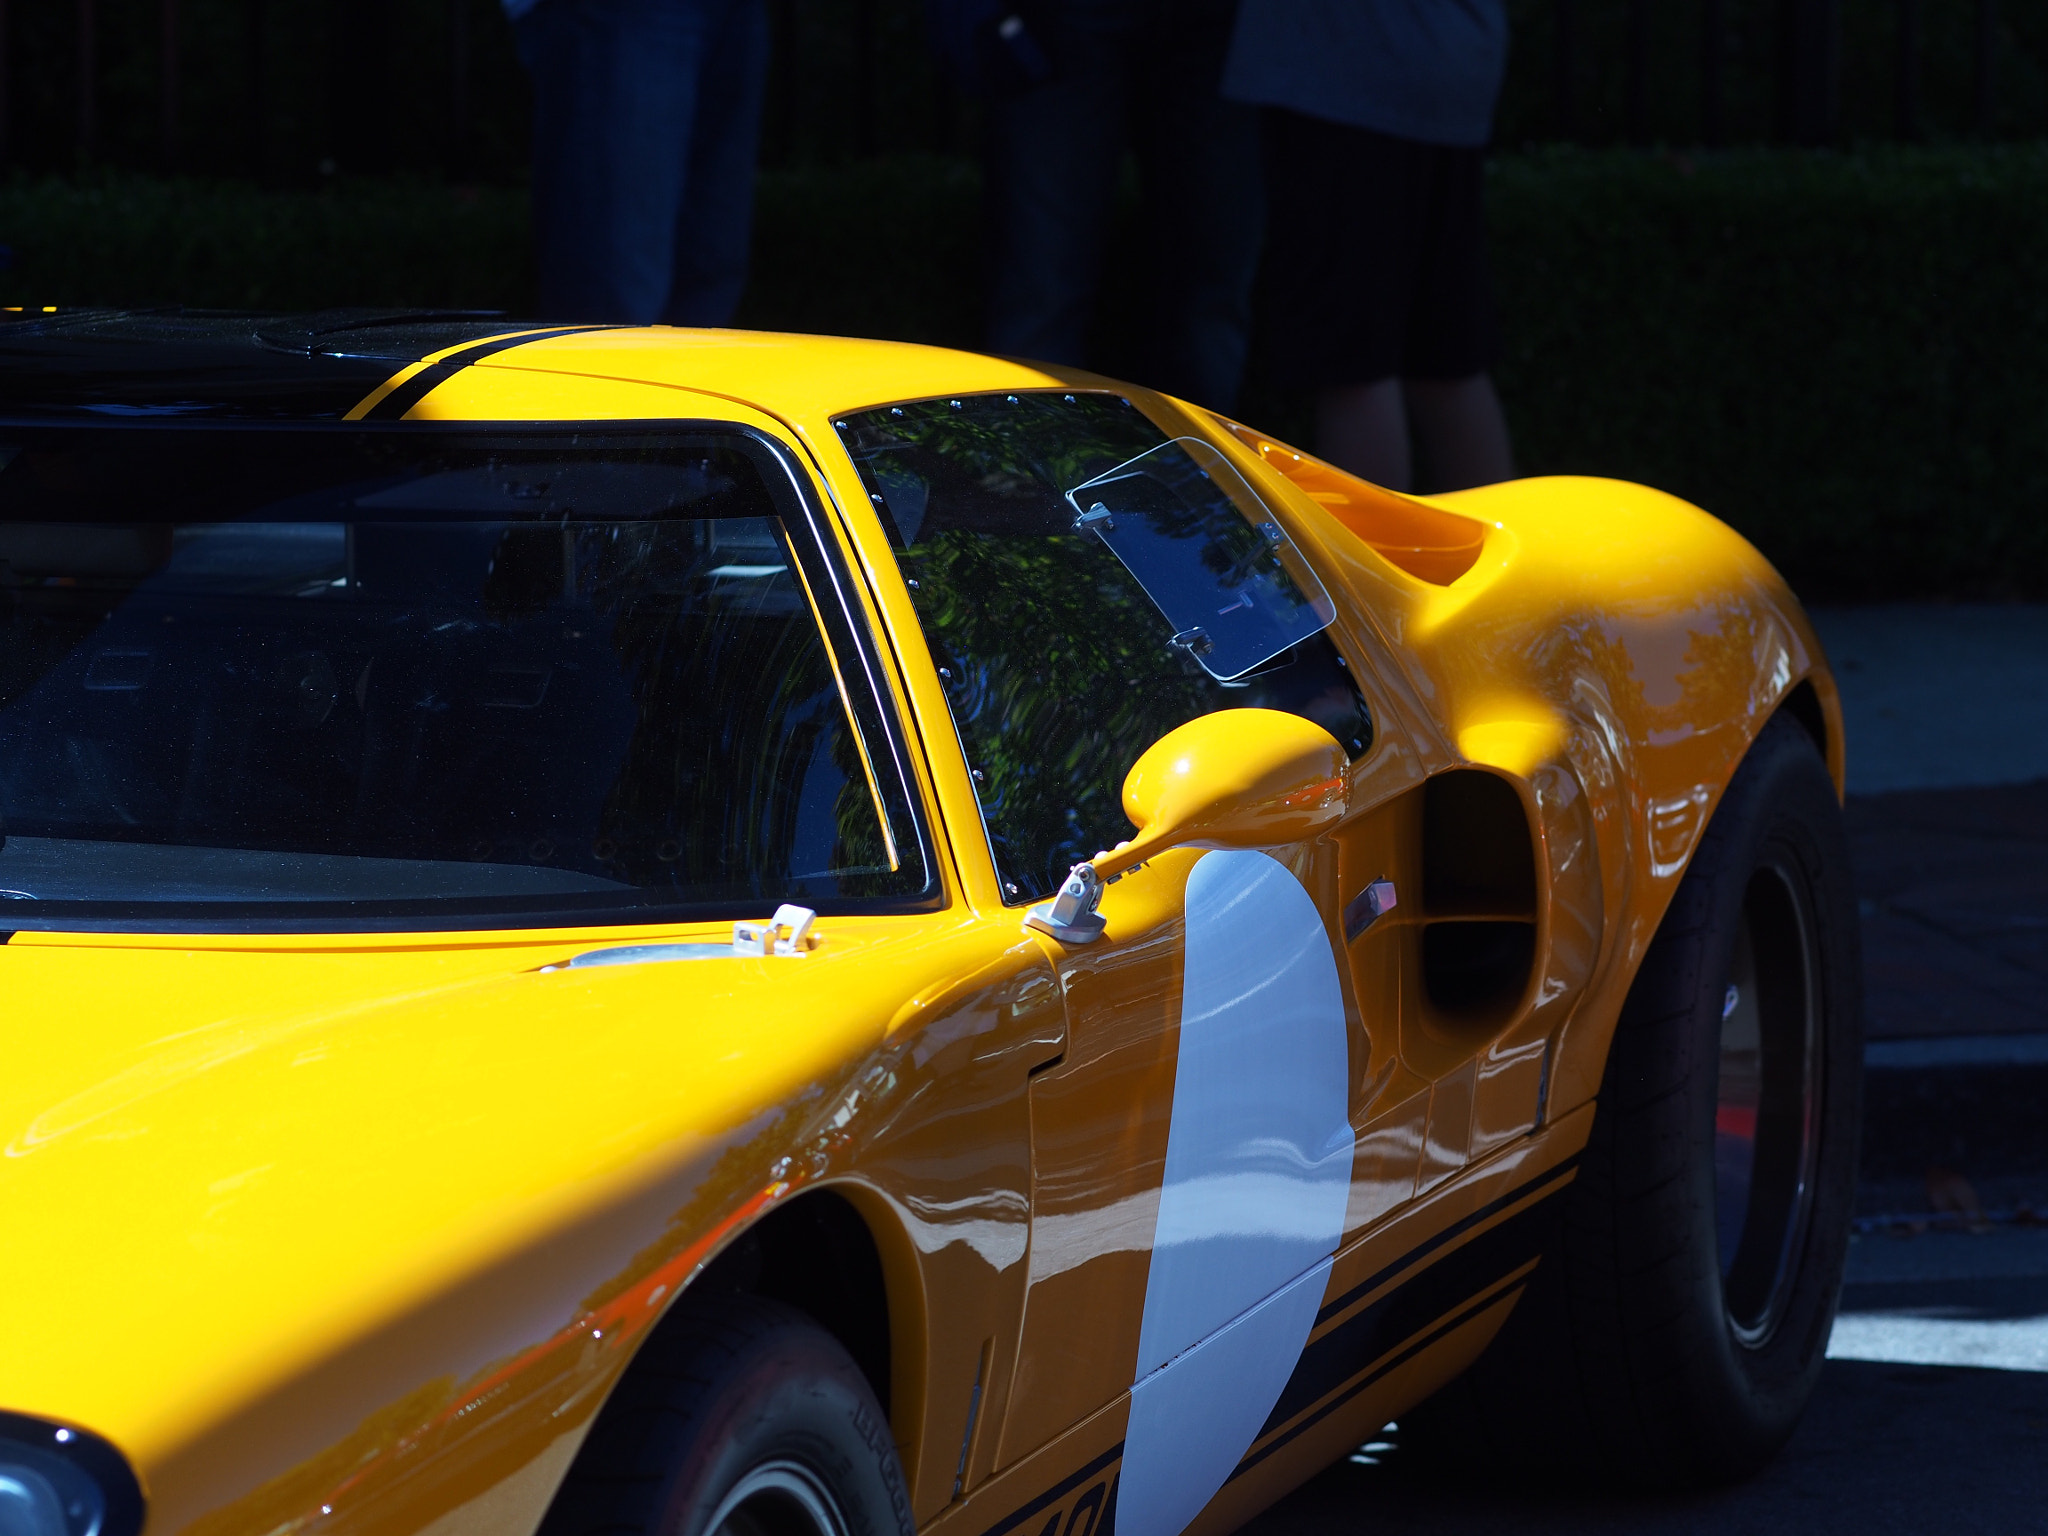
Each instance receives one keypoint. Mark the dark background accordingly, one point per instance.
(295, 91)
(1786, 258)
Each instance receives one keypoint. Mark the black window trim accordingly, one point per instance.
(862, 642)
(846, 632)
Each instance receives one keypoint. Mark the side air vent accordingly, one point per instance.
(1450, 945)
(1476, 970)
(1427, 542)
(1478, 897)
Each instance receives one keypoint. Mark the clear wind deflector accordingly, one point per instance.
(1207, 551)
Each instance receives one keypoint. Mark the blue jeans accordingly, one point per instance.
(646, 115)
(1142, 73)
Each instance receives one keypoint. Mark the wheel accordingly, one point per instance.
(1679, 1318)
(741, 1417)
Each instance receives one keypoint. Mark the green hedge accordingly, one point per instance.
(228, 245)
(1846, 355)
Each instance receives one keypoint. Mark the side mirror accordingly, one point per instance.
(1240, 778)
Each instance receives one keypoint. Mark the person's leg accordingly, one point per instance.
(1338, 271)
(1461, 431)
(1453, 338)
(1198, 158)
(1050, 161)
(612, 105)
(1363, 428)
(714, 227)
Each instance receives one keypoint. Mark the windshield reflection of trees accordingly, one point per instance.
(1062, 675)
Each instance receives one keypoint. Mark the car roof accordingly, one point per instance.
(215, 365)
(798, 378)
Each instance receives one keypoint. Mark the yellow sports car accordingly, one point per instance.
(643, 931)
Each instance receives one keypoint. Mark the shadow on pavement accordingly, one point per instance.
(1883, 1448)
(1954, 888)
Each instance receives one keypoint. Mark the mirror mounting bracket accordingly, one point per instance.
(1070, 916)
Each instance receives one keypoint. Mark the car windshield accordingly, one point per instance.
(403, 678)
(1086, 584)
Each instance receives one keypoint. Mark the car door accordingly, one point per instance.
(1193, 1167)
(1084, 585)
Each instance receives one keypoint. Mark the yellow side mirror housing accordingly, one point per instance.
(1240, 778)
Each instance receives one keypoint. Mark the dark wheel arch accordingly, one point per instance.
(817, 1254)
(1803, 705)
(742, 1418)
(813, 1258)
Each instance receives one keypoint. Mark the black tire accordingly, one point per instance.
(1644, 1351)
(741, 1417)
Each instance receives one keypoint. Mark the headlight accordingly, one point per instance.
(30, 1506)
(60, 1481)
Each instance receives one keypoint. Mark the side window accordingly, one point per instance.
(1085, 585)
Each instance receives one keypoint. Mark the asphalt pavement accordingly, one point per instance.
(1977, 1299)
(1932, 1412)
(1902, 1436)
(1940, 696)
(1884, 1448)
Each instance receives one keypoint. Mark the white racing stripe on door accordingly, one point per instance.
(1192, 1421)
(1258, 1167)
